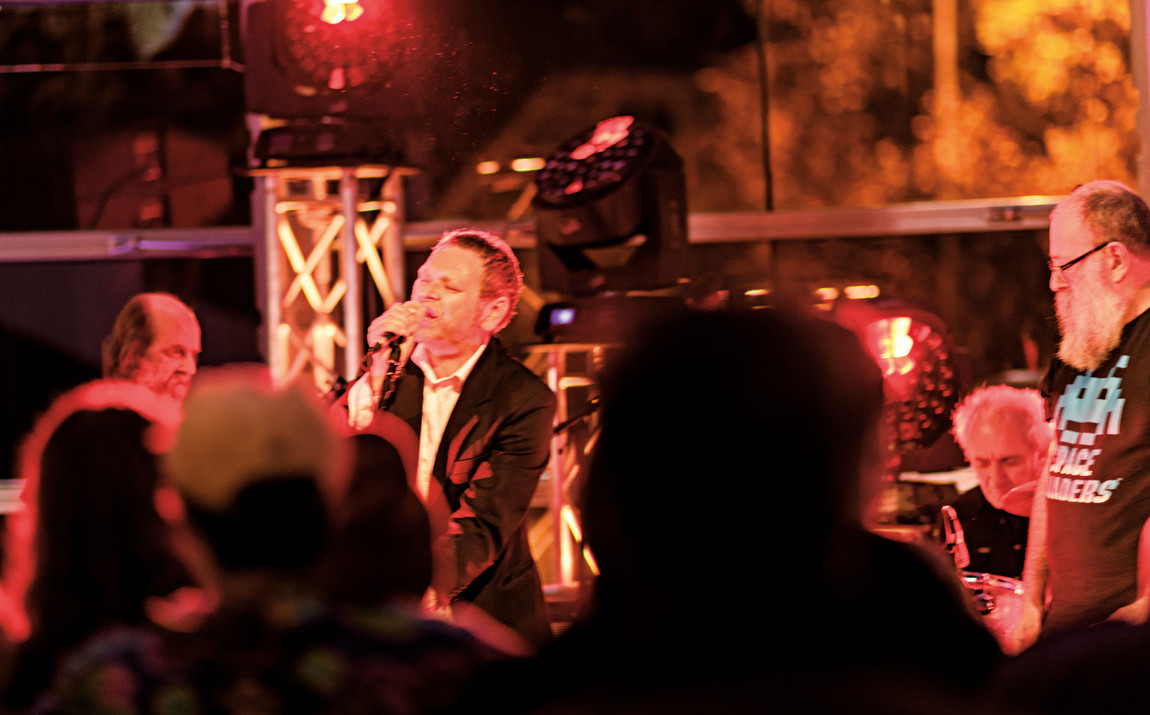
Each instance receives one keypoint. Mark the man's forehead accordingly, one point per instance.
(176, 327)
(996, 429)
(1068, 229)
(454, 261)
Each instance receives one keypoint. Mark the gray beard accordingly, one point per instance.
(1091, 329)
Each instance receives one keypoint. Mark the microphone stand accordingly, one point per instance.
(588, 409)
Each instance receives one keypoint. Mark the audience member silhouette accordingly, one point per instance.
(1081, 671)
(724, 505)
(89, 551)
(259, 470)
(380, 552)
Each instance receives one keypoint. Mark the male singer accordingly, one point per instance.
(484, 423)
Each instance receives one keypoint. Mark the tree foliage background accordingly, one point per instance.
(1042, 99)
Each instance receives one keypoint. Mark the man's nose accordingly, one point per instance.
(1057, 281)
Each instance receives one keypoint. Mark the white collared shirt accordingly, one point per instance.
(439, 397)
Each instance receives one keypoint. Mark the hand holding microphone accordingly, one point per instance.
(397, 323)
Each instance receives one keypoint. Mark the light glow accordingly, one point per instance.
(487, 167)
(897, 343)
(572, 522)
(861, 292)
(337, 11)
(528, 164)
(590, 559)
(608, 133)
(890, 341)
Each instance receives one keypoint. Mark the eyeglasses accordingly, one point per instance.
(1072, 261)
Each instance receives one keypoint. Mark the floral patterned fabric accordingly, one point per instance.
(285, 654)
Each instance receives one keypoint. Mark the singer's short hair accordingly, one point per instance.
(501, 274)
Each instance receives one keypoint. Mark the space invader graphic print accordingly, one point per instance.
(1089, 408)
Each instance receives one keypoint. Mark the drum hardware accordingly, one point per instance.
(997, 599)
(984, 602)
(955, 540)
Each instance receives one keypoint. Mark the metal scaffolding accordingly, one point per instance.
(320, 225)
(571, 371)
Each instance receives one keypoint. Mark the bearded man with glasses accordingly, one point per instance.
(1085, 562)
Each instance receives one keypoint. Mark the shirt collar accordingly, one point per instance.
(420, 358)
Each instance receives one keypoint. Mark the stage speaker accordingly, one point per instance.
(611, 211)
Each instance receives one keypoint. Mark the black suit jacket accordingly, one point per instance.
(495, 446)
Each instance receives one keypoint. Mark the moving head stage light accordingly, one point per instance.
(611, 211)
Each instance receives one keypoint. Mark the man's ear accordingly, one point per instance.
(494, 313)
(1119, 257)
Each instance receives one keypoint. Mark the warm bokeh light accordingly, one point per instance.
(336, 11)
(891, 343)
(1037, 97)
(828, 294)
(861, 292)
(534, 163)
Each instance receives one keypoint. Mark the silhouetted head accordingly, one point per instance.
(730, 441)
(381, 548)
(89, 547)
(259, 468)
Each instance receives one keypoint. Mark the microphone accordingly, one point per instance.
(390, 339)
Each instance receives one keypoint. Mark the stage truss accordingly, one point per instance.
(570, 370)
(321, 224)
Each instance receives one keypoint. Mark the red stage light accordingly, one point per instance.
(913, 349)
(334, 45)
(890, 342)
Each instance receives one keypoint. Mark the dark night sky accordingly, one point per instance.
(483, 60)
(473, 65)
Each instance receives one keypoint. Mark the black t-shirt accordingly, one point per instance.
(1098, 494)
